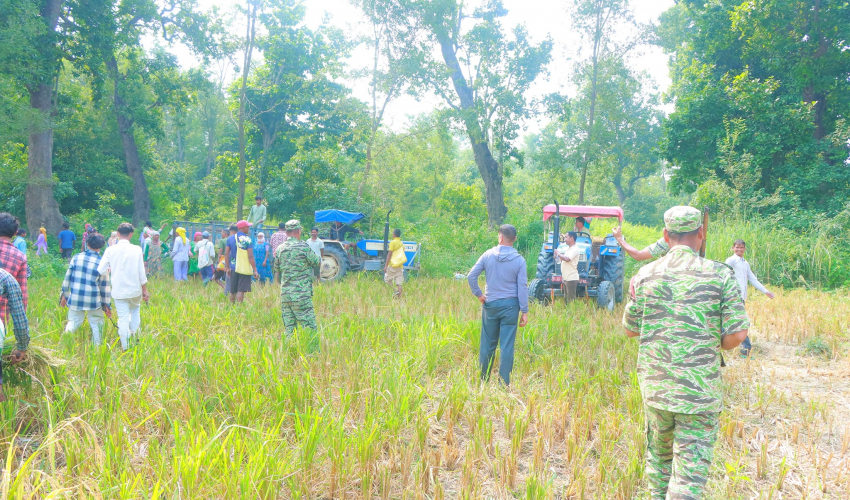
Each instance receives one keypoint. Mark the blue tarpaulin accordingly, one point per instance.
(338, 215)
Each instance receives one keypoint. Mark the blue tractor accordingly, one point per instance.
(601, 260)
(342, 257)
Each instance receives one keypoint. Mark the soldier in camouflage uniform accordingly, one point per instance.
(294, 262)
(685, 309)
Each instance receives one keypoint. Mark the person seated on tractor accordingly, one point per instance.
(582, 226)
(568, 254)
(339, 230)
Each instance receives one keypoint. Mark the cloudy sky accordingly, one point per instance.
(541, 18)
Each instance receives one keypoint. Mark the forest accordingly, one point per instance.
(101, 122)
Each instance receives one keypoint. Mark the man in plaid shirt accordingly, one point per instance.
(86, 291)
(10, 291)
(11, 259)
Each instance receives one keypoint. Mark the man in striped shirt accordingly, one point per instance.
(11, 259)
(85, 291)
(10, 291)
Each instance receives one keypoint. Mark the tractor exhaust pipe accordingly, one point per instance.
(556, 237)
(387, 233)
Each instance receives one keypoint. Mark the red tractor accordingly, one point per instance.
(601, 261)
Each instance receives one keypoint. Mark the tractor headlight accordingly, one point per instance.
(610, 241)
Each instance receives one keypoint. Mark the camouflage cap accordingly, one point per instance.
(292, 225)
(682, 219)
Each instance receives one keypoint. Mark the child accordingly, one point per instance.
(744, 275)
(85, 291)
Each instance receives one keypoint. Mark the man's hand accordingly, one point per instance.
(107, 311)
(63, 302)
(146, 296)
(228, 271)
(482, 298)
(256, 275)
(770, 295)
(523, 320)
(17, 357)
(617, 232)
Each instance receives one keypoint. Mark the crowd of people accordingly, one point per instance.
(684, 309)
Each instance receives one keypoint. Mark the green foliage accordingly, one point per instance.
(103, 218)
(817, 347)
(13, 178)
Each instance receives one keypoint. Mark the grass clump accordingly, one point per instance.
(816, 347)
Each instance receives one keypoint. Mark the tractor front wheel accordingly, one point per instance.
(334, 264)
(605, 297)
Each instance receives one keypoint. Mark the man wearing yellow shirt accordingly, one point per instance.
(394, 268)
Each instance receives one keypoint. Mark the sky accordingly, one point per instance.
(540, 17)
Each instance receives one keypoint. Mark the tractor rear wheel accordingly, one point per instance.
(545, 263)
(605, 296)
(613, 270)
(535, 290)
(334, 264)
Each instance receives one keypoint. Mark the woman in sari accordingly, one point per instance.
(154, 251)
(41, 242)
(193, 260)
(263, 257)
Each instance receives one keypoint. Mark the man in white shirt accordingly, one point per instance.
(318, 247)
(744, 276)
(126, 265)
(568, 254)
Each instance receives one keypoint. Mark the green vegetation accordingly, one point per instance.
(386, 400)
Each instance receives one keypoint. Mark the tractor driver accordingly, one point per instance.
(581, 225)
(339, 230)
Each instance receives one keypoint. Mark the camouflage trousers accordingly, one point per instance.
(679, 450)
(296, 313)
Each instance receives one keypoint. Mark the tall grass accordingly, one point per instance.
(778, 256)
(384, 403)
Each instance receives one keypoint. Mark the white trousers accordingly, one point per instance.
(76, 318)
(128, 318)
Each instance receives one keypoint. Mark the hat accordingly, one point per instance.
(205, 234)
(243, 223)
(292, 225)
(682, 219)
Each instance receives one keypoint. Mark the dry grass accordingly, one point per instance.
(386, 404)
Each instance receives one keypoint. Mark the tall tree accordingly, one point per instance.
(252, 11)
(780, 71)
(394, 54)
(482, 73)
(30, 31)
(600, 21)
(112, 31)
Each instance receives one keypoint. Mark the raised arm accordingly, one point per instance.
(636, 254)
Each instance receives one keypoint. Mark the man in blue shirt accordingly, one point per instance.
(67, 238)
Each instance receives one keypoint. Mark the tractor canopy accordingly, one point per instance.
(338, 216)
(582, 211)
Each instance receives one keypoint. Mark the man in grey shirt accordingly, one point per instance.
(505, 296)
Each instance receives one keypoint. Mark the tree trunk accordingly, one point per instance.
(365, 171)
(617, 181)
(249, 47)
(41, 208)
(592, 112)
(210, 160)
(819, 100)
(488, 167)
(141, 196)
(40, 205)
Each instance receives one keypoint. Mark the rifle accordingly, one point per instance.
(702, 254)
(705, 231)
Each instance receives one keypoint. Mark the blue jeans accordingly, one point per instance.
(746, 345)
(499, 320)
(207, 273)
